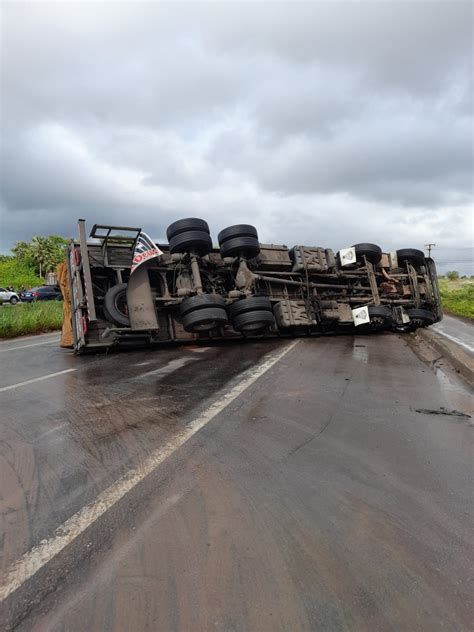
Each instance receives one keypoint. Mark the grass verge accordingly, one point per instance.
(458, 297)
(30, 318)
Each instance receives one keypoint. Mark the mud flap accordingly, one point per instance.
(141, 306)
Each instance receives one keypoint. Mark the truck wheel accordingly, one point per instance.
(194, 241)
(186, 225)
(203, 312)
(115, 305)
(247, 247)
(380, 317)
(410, 255)
(250, 322)
(420, 318)
(205, 319)
(239, 230)
(240, 240)
(201, 301)
(250, 304)
(372, 252)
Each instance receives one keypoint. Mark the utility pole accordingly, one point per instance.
(429, 246)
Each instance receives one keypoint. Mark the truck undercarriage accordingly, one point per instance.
(125, 290)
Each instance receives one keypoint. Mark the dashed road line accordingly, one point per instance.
(36, 379)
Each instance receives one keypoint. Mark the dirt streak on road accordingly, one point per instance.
(317, 499)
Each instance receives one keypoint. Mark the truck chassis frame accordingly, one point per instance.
(303, 291)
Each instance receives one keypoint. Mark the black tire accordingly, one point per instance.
(13, 300)
(201, 301)
(115, 298)
(372, 252)
(420, 318)
(239, 230)
(205, 319)
(195, 241)
(410, 255)
(186, 225)
(380, 317)
(250, 304)
(240, 247)
(253, 321)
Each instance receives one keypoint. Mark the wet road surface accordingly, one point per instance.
(456, 330)
(309, 495)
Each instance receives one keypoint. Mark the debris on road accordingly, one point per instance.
(442, 411)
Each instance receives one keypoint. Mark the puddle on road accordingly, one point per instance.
(360, 353)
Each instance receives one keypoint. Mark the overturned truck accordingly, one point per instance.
(127, 290)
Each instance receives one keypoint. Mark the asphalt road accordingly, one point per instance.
(456, 330)
(268, 486)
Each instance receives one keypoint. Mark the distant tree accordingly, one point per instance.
(41, 252)
(22, 251)
(44, 253)
(453, 275)
(58, 248)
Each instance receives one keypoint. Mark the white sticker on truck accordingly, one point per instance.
(347, 256)
(360, 316)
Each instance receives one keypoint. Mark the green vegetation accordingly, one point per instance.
(458, 296)
(42, 253)
(31, 260)
(18, 273)
(30, 318)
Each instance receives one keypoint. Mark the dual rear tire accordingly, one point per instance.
(240, 240)
(203, 312)
(189, 235)
(252, 315)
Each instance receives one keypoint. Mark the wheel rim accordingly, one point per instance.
(120, 303)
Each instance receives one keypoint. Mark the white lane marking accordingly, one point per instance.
(37, 557)
(456, 340)
(35, 344)
(7, 341)
(49, 432)
(168, 368)
(36, 379)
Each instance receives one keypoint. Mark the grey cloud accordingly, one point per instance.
(300, 118)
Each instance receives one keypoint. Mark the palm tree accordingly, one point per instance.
(40, 250)
(21, 250)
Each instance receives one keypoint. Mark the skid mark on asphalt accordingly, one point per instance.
(37, 557)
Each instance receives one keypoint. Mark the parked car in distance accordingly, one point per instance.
(43, 293)
(8, 297)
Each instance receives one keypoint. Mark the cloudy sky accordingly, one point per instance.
(321, 123)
